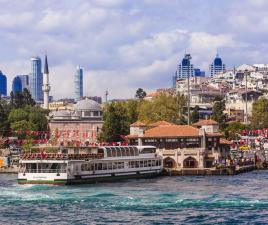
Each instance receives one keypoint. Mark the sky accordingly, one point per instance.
(124, 45)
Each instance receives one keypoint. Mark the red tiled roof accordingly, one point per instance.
(137, 124)
(153, 94)
(225, 142)
(169, 131)
(160, 123)
(216, 134)
(205, 122)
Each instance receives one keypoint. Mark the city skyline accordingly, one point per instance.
(128, 44)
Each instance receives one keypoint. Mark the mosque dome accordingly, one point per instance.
(87, 105)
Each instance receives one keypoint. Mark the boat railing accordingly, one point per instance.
(54, 156)
(43, 171)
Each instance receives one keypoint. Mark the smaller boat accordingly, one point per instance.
(76, 165)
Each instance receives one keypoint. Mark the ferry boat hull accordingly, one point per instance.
(48, 179)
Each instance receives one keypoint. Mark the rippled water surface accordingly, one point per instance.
(241, 199)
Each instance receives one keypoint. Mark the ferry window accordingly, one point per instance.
(113, 151)
(160, 162)
(149, 163)
(109, 152)
(115, 165)
(96, 166)
(157, 163)
(104, 166)
(92, 167)
(100, 151)
(127, 151)
(110, 167)
(141, 163)
(136, 151)
(83, 167)
(123, 151)
(120, 165)
(153, 162)
(99, 166)
(131, 151)
(137, 164)
(145, 163)
(118, 151)
(148, 150)
(132, 164)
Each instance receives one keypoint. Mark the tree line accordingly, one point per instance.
(20, 114)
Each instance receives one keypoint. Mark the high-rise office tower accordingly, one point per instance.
(46, 86)
(78, 83)
(217, 66)
(185, 68)
(16, 85)
(3, 84)
(36, 79)
(24, 81)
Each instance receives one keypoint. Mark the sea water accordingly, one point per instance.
(241, 199)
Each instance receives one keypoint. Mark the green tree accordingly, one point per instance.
(140, 93)
(218, 113)
(115, 122)
(233, 129)
(17, 115)
(195, 115)
(27, 98)
(164, 107)
(260, 114)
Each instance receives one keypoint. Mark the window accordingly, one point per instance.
(145, 163)
(96, 113)
(141, 163)
(118, 151)
(110, 166)
(113, 151)
(104, 166)
(123, 151)
(114, 165)
(127, 151)
(148, 150)
(131, 151)
(136, 151)
(99, 166)
(109, 152)
(153, 163)
(137, 165)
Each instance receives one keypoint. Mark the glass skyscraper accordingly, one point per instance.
(36, 79)
(24, 81)
(16, 85)
(78, 83)
(3, 84)
(217, 66)
(182, 71)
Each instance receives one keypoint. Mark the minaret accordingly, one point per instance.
(46, 86)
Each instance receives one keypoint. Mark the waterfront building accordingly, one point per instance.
(82, 123)
(3, 84)
(183, 146)
(217, 66)
(36, 79)
(16, 85)
(185, 68)
(46, 86)
(78, 83)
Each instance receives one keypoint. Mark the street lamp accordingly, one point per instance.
(188, 57)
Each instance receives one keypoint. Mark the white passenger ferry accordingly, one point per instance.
(90, 165)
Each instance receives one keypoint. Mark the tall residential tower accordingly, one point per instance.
(184, 68)
(36, 79)
(217, 66)
(78, 83)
